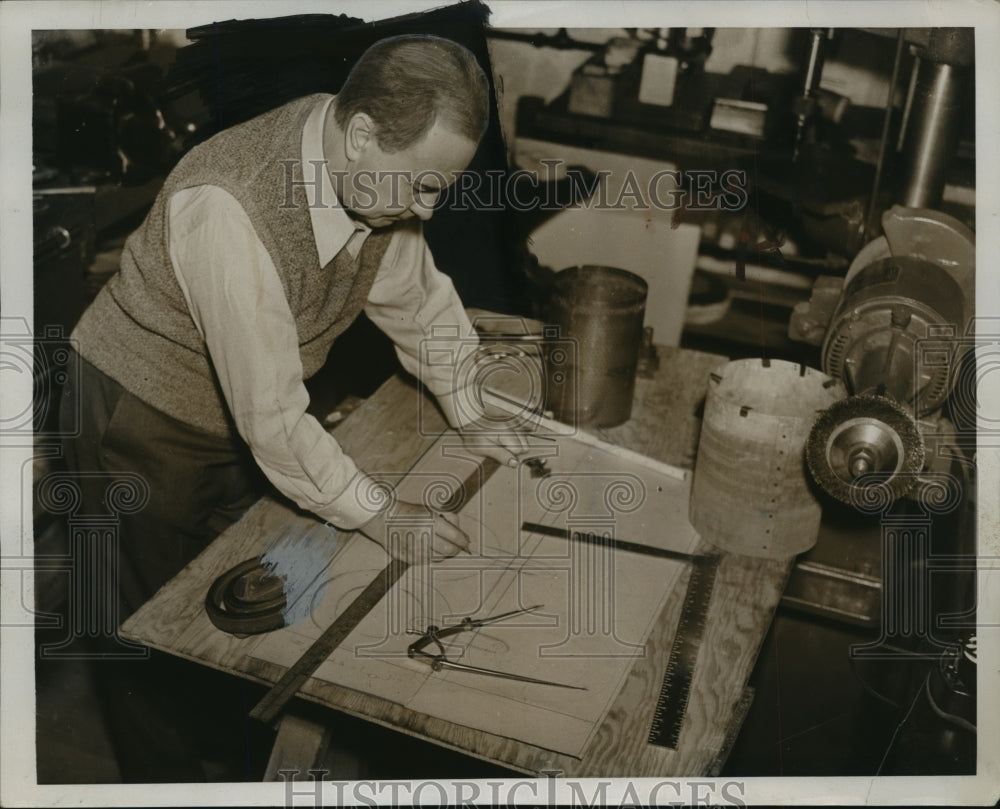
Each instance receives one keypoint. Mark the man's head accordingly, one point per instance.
(407, 83)
(408, 117)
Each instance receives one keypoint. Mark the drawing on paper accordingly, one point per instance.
(599, 605)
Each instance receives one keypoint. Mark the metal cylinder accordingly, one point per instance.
(591, 372)
(931, 136)
(750, 494)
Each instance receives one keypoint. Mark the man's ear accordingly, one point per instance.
(360, 133)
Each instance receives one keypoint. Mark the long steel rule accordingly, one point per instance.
(274, 701)
(675, 691)
(608, 542)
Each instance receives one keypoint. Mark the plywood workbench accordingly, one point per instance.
(382, 434)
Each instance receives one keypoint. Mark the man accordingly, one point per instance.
(263, 245)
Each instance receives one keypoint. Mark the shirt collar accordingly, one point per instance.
(332, 228)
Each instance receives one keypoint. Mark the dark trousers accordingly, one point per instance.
(162, 712)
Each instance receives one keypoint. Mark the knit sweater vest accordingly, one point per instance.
(139, 331)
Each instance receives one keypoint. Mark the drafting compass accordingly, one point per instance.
(433, 636)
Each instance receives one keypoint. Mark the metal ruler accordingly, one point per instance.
(608, 542)
(671, 705)
(274, 701)
(675, 691)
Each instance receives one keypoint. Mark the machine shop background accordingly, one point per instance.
(802, 113)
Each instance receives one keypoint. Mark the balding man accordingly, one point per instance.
(263, 245)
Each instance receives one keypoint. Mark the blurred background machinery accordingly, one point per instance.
(854, 253)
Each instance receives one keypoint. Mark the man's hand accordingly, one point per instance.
(415, 534)
(507, 446)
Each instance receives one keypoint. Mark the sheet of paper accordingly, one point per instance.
(595, 606)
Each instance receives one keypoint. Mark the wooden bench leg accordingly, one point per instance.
(304, 744)
(300, 746)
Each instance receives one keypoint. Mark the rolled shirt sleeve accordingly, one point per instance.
(416, 305)
(237, 302)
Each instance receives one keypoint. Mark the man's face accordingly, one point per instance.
(382, 188)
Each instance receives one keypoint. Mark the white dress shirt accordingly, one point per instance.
(236, 299)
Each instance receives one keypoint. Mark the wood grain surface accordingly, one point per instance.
(382, 435)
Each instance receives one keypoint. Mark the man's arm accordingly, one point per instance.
(237, 302)
(410, 297)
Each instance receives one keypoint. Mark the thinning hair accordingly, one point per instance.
(406, 83)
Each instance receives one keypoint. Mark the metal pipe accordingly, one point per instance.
(756, 273)
(910, 90)
(866, 224)
(805, 105)
(932, 136)
(813, 63)
(561, 40)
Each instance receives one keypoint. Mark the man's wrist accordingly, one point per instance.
(363, 500)
(460, 407)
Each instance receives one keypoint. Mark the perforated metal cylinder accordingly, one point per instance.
(751, 493)
(599, 312)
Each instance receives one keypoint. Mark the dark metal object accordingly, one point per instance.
(951, 685)
(805, 106)
(909, 233)
(247, 599)
(671, 705)
(538, 467)
(739, 116)
(271, 706)
(810, 319)
(599, 309)
(607, 542)
(897, 329)
(649, 358)
(433, 636)
(834, 592)
(560, 40)
(928, 235)
(882, 324)
(867, 223)
(841, 577)
(931, 137)
(865, 441)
